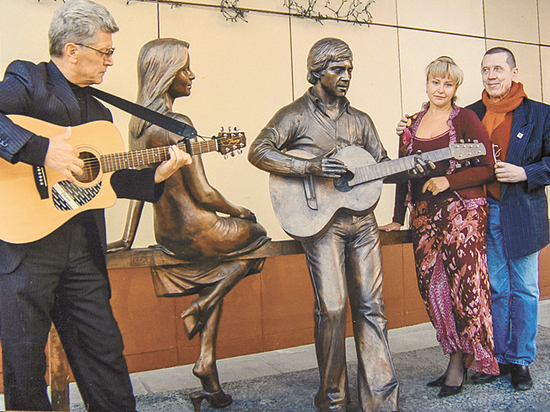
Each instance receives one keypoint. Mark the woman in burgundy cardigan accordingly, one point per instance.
(448, 218)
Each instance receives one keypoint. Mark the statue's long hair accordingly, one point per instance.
(158, 63)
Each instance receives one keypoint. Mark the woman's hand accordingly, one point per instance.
(436, 185)
(390, 227)
(178, 158)
(402, 124)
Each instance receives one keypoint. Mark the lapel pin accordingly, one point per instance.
(520, 135)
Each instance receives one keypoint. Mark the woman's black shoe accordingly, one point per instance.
(438, 383)
(217, 400)
(447, 390)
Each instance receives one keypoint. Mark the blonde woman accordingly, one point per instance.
(448, 218)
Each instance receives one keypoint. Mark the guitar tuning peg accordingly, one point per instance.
(458, 165)
(461, 140)
(236, 128)
(229, 129)
(221, 129)
(240, 151)
(467, 163)
(232, 154)
(225, 156)
(476, 141)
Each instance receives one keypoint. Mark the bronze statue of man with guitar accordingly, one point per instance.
(62, 277)
(344, 256)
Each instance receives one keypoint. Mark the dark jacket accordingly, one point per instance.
(524, 207)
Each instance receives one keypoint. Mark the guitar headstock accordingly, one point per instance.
(230, 140)
(463, 151)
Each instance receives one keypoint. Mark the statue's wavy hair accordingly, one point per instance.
(322, 53)
(158, 64)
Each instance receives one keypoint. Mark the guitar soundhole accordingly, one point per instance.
(91, 167)
(341, 183)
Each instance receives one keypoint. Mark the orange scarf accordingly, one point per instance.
(496, 111)
(498, 122)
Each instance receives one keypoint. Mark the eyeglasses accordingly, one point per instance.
(106, 54)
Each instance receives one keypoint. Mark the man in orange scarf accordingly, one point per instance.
(518, 228)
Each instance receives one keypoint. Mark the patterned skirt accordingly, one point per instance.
(449, 241)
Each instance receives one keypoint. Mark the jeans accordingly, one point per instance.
(514, 295)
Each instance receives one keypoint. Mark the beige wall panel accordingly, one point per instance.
(418, 49)
(242, 77)
(464, 16)
(375, 84)
(24, 30)
(528, 62)
(545, 57)
(383, 12)
(544, 18)
(512, 19)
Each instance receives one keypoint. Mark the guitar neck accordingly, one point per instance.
(392, 167)
(136, 158)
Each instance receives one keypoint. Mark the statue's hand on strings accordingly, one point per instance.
(325, 166)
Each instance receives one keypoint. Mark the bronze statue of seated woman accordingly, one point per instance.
(187, 223)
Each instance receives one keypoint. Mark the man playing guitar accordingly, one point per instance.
(63, 276)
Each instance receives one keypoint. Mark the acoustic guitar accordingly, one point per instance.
(27, 216)
(305, 207)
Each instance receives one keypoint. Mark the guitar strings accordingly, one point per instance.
(155, 151)
(146, 156)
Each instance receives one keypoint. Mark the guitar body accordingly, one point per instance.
(25, 216)
(302, 218)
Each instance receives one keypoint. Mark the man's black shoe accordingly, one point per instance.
(480, 377)
(521, 378)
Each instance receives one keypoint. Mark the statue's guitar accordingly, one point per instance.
(27, 216)
(305, 207)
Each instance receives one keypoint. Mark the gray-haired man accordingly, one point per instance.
(63, 276)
